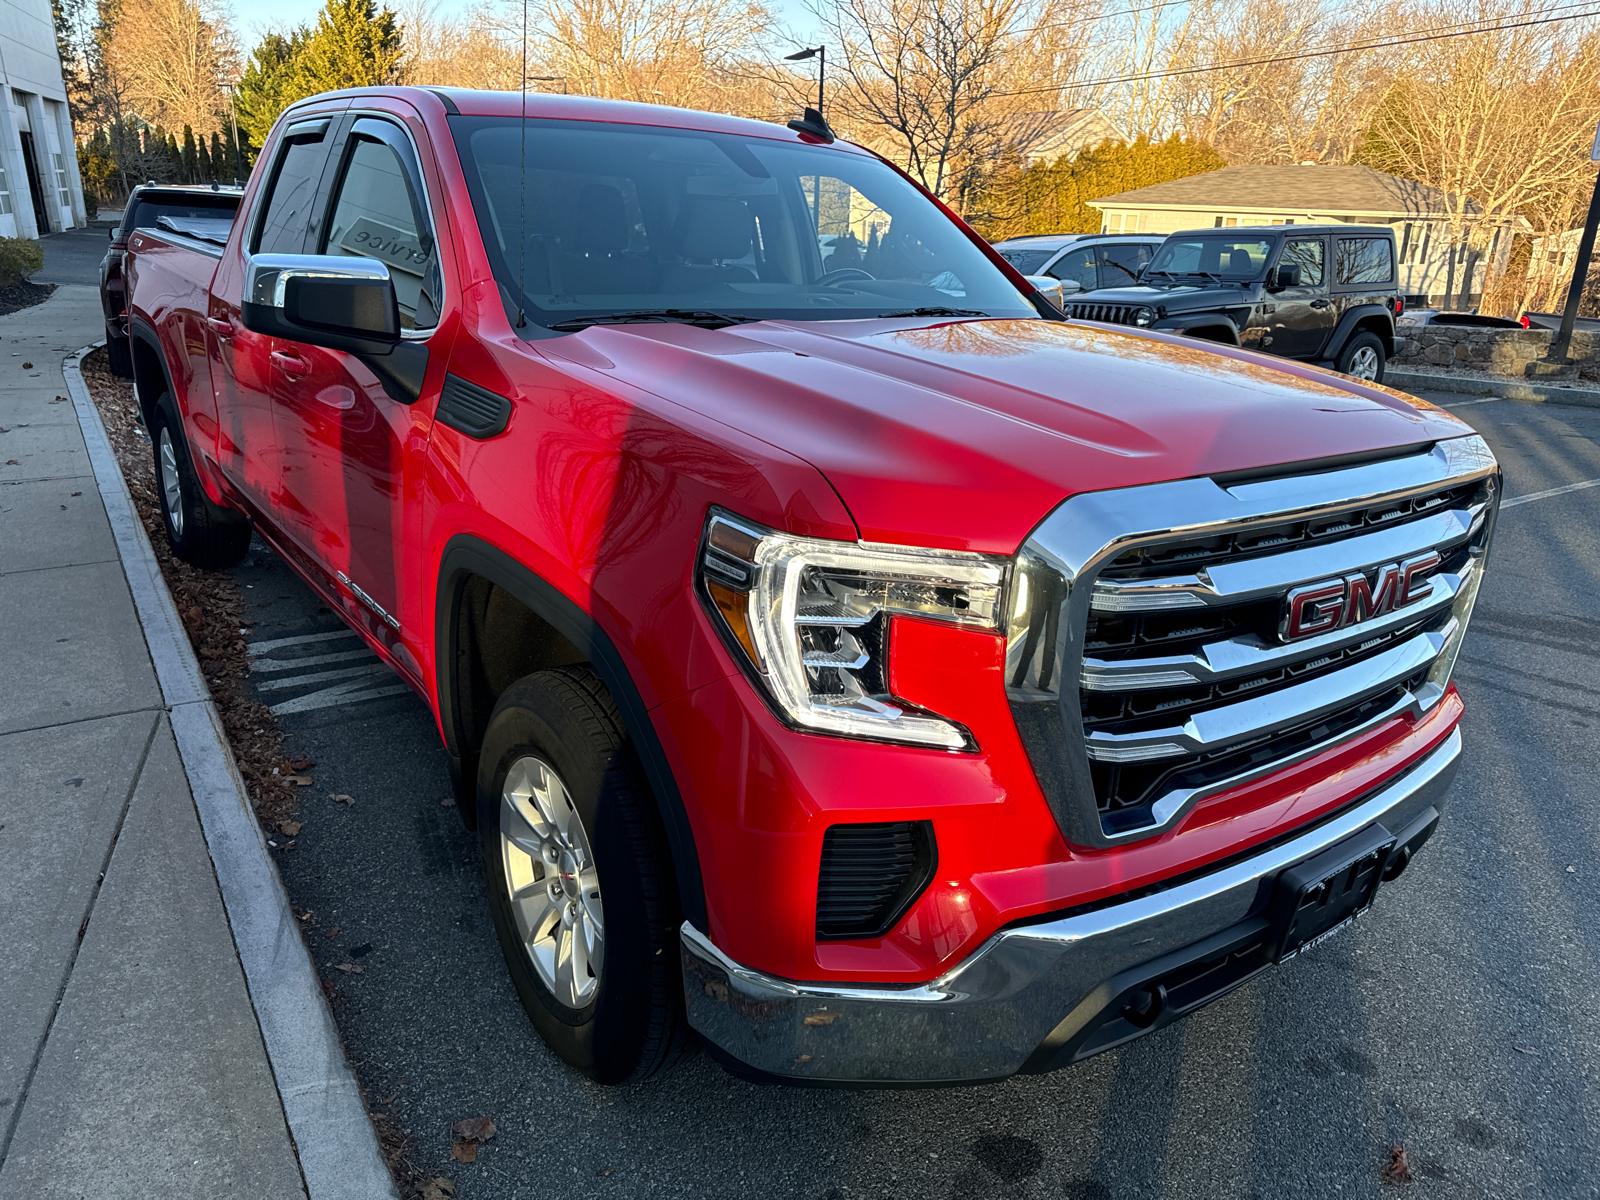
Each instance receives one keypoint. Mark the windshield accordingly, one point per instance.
(1224, 257)
(1028, 261)
(628, 218)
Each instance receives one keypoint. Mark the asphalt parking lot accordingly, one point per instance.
(1458, 1019)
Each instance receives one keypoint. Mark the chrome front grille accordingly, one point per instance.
(1147, 660)
(1111, 314)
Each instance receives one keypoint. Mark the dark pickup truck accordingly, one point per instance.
(1320, 293)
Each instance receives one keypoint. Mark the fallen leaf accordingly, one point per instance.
(391, 1099)
(27, 366)
(337, 796)
(604, 1171)
(299, 763)
(448, 802)
(822, 1018)
(474, 1129)
(60, 400)
(349, 968)
(1399, 1170)
(77, 493)
(11, 462)
(298, 780)
(466, 1152)
(437, 1188)
(290, 827)
(804, 1058)
(332, 932)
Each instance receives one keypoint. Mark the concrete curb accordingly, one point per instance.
(339, 1155)
(1510, 389)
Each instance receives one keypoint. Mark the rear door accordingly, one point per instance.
(1302, 317)
(247, 444)
(1077, 264)
(1363, 270)
(345, 446)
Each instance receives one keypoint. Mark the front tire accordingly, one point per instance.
(1363, 357)
(579, 884)
(199, 531)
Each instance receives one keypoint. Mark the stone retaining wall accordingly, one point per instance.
(1497, 351)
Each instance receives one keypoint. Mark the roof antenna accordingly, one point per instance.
(522, 183)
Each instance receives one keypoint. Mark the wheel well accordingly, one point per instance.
(1220, 334)
(1384, 330)
(149, 377)
(498, 640)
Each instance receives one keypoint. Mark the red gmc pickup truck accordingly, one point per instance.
(841, 654)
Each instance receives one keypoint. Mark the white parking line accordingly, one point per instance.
(313, 660)
(300, 640)
(1548, 492)
(1466, 403)
(271, 685)
(338, 694)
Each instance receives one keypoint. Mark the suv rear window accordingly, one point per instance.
(145, 213)
(1363, 260)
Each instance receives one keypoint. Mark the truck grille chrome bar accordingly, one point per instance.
(1151, 661)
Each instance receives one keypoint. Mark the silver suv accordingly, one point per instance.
(1081, 262)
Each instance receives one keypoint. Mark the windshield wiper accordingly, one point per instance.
(686, 316)
(934, 312)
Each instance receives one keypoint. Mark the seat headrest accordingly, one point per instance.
(715, 227)
(602, 220)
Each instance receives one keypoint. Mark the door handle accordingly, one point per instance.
(1319, 303)
(292, 364)
(220, 326)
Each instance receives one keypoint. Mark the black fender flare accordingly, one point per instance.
(466, 555)
(1343, 331)
(140, 330)
(1198, 321)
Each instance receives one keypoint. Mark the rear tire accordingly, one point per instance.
(199, 531)
(1363, 357)
(578, 879)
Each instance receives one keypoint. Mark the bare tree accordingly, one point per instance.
(470, 51)
(172, 59)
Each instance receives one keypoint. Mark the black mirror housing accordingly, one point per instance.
(352, 306)
(1285, 275)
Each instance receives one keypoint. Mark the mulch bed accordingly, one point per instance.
(23, 295)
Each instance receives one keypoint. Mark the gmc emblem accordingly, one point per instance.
(1332, 604)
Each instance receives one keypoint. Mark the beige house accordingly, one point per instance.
(1266, 195)
(1043, 137)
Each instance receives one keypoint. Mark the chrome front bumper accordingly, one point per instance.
(1019, 1001)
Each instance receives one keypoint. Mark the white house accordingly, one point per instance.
(1312, 194)
(1043, 137)
(40, 191)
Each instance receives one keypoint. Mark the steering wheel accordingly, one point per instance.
(829, 278)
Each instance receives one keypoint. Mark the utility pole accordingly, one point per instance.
(1580, 268)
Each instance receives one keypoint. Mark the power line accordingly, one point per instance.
(1382, 44)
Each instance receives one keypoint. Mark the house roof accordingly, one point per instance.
(1268, 189)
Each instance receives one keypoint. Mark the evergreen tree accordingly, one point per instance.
(204, 173)
(268, 85)
(355, 44)
(191, 157)
(221, 170)
(231, 167)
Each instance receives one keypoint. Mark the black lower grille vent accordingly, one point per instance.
(870, 876)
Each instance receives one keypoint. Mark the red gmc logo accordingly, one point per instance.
(1331, 604)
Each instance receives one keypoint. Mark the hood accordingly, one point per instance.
(1174, 298)
(965, 434)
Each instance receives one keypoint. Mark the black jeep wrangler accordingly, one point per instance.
(1323, 293)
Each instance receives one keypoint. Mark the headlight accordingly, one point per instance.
(1143, 317)
(812, 620)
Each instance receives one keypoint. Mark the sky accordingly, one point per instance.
(251, 21)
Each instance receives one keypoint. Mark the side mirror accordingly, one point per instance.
(1071, 287)
(338, 303)
(1286, 275)
(114, 232)
(1050, 289)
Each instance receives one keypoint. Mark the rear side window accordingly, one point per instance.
(1307, 255)
(1363, 260)
(1121, 262)
(287, 212)
(378, 214)
(1076, 264)
(1026, 261)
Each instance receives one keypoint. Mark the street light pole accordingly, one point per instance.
(820, 53)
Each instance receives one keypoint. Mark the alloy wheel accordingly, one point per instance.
(553, 884)
(171, 486)
(1364, 363)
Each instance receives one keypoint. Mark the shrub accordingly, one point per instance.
(18, 257)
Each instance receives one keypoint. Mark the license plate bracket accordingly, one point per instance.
(1314, 898)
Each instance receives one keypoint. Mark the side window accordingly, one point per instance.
(1307, 255)
(1120, 263)
(1363, 260)
(281, 228)
(378, 213)
(1076, 264)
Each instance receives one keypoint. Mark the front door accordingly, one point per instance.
(1302, 316)
(347, 449)
(247, 445)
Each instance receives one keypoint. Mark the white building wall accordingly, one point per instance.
(33, 96)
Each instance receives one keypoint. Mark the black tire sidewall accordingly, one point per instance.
(606, 1039)
(1364, 338)
(212, 537)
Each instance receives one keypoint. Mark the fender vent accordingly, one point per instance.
(475, 411)
(870, 876)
